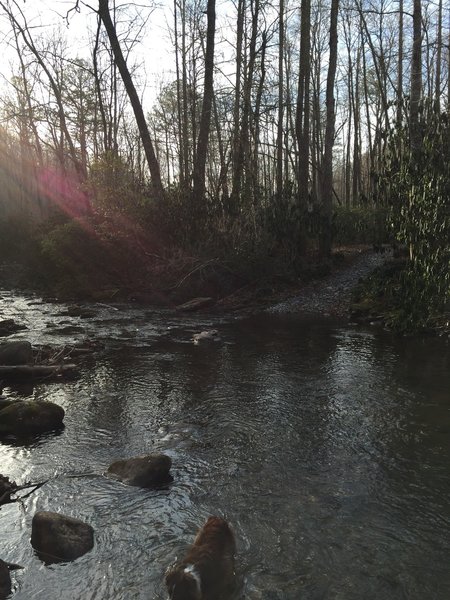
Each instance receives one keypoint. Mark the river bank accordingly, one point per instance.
(352, 286)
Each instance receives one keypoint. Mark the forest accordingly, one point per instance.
(224, 299)
(274, 134)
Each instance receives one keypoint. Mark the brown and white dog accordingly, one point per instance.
(207, 570)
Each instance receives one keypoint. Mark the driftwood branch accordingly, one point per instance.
(5, 498)
(36, 371)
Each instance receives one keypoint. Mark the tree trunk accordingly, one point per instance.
(416, 78)
(237, 154)
(98, 89)
(400, 64)
(181, 174)
(134, 100)
(257, 117)
(327, 162)
(303, 108)
(437, 100)
(279, 168)
(184, 85)
(205, 119)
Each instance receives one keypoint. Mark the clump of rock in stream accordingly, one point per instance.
(23, 417)
(20, 362)
(150, 471)
(9, 326)
(5, 578)
(16, 353)
(59, 538)
(7, 487)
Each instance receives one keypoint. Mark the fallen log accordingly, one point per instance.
(36, 371)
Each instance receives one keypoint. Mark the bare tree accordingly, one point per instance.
(135, 101)
(437, 98)
(400, 62)
(416, 78)
(303, 106)
(205, 119)
(327, 161)
(280, 124)
(24, 31)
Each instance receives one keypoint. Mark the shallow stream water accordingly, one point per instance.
(326, 446)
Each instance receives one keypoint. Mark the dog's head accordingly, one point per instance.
(183, 583)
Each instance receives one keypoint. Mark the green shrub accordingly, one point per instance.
(417, 185)
(16, 238)
(361, 226)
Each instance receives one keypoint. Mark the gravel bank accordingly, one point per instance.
(331, 295)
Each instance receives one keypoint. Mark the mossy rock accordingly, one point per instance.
(25, 417)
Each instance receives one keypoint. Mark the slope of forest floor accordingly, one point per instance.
(332, 295)
(324, 292)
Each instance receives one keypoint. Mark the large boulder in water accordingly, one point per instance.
(28, 416)
(5, 580)
(148, 471)
(16, 353)
(9, 326)
(58, 538)
(7, 487)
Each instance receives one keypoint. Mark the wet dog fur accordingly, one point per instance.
(207, 570)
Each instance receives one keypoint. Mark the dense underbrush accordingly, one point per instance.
(384, 298)
(157, 254)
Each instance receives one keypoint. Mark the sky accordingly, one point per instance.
(153, 54)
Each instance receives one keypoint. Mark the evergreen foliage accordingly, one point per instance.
(416, 184)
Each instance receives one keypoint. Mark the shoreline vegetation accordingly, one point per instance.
(96, 242)
(361, 282)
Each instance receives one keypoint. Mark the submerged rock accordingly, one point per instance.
(58, 538)
(16, 353)
(195, 304)
(143, 471)
(21, 417)
(9, 326)
(211, 335)
(79, 311)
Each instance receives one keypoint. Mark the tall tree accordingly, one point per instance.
(280, 124)
(437, 99)
(205, 119)
(400, 62)
(327, 161)
(416, 78)
(152, 161)
(237, 138)
(303, 106)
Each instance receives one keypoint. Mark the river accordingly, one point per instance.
(326, 446)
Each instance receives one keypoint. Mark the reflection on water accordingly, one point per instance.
(327, 448)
